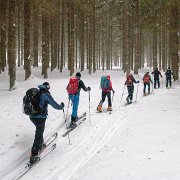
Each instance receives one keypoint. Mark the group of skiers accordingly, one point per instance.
(73, 88)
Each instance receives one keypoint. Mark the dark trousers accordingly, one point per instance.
(168, 81)
(156, 81)
(148, 85)
(38, 140)
(108, 94)
(130, 92)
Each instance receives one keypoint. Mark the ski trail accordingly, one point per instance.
(104, 126)
(97, 138)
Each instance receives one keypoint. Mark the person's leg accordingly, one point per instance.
(75, 107)
(148, 84)
(158, 83)
(144, 90)
(102, 101)
(40, 125)
(131, 92)
(155, 81)
(109, 101)
(170, 82)
(103, 97)
(166, 82)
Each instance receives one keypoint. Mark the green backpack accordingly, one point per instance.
(105, 83)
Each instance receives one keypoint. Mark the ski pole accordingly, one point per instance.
(89, 108)
(65, 118)
(152, 88)
(122, 94)
(112, 96)
(137, 92)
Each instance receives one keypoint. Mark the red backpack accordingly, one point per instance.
(72, 86)
(146, 78)
(129, 81)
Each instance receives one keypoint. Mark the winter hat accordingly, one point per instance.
(78, 74)
(108, 77)
(47, 85)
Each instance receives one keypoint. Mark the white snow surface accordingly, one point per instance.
(140, 141)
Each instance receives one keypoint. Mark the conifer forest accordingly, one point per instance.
(88, 34)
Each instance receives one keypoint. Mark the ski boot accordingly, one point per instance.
(99, 108)
(33, 159)
(42, 146)
(73, 122)
(109, 108)
(128, 100)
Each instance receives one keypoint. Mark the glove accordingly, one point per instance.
(138, 81)
(88, 88)
(113, 91)
(62, 104)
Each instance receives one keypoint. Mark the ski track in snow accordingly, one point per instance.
(98, 138)
(99, 134)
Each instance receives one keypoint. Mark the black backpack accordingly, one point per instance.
(168, 73)
(31, 101)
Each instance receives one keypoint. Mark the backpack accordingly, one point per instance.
(156, 73)
(129, 81)
(146, 78)
(31, 101)
(168, 73)
(73, 85)
(105, 83)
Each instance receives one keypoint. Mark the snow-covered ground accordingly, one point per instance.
(140, 141)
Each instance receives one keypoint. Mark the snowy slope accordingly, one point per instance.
(139, 141)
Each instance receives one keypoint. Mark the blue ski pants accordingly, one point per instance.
(75, 103)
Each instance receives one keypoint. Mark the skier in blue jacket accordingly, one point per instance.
(39, 119)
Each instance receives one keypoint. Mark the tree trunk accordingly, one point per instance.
(126, 40)
(154, 47)
(45, 45)
(3, 29)
(173, 39)
(81, 38)
(27, 57)
(12, 45)
(35, 37)
(137, 39)
(62, 35)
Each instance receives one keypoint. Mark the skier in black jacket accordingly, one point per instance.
(130, 80)
(168, 75)
(156, 73)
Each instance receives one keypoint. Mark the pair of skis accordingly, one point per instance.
(79, 121)
(50, 146)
